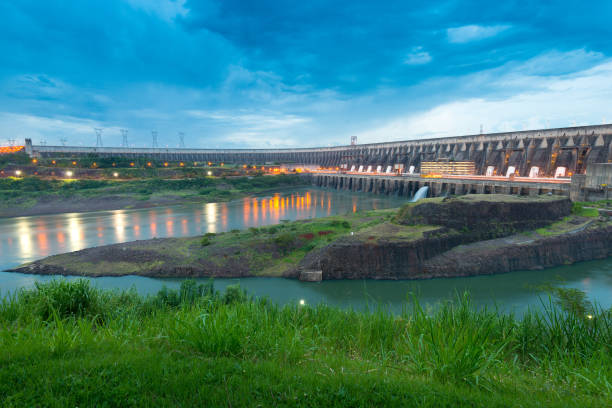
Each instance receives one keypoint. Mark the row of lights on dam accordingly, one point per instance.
(70, 173)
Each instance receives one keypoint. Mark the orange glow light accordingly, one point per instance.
(34, 161)
(53, 162)
(74, 163)
(10, 149)
(166, 164)
(181, 164)
(132, 164)
(149, 164)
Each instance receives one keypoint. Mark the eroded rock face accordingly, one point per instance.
(357, 259)
(479, 224)
(485, 218)
(435, 257)
(586, 245)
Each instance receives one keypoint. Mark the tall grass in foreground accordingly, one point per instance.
(567, 346)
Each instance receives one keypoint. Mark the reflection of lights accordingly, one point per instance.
(24, 230)
(119, 224)
(74, 232)
(211, 217)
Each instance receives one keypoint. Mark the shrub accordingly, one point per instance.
(205, 241)
(234, 294)
(189, 293)
(66, 298)
(285, 241)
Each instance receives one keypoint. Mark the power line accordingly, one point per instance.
(98, 137)
(124, 139)
(154, 136)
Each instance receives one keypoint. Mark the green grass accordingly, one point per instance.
(579, 209)
(68, 344)
(28, 191)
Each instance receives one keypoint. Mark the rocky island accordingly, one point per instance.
(436, 237)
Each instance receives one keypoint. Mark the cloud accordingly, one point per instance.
(166, 9)
(417, 57)
(558, 101)
(468, 33)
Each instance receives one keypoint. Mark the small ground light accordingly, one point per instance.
(181, 164)
(590, 316)
(34, 161)
(115, 174)
(74, 163)
(165, 164)
(302, 302)
(149, 164)
(18, 172)
(53, 162)
(69, 173)
(209, 173)
(132, 164)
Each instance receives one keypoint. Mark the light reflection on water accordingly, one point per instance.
(25, 239)
(28, 238)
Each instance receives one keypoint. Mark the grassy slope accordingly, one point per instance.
(195, 347)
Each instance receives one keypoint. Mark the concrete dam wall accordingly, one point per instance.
(408, 186)
(519, 152)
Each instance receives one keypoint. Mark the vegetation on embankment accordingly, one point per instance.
(266, 251)
(68, 344)
(385, 244)
(33, 195)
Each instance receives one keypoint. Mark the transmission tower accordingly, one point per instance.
(11, 142)
(353, 140)
(124, 139)
(181, 140)
(63, 140)
(98, 137)
(43, 142)
(154, 136)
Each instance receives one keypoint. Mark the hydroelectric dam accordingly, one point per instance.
(574, 161)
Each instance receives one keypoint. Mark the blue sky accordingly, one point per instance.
(298, 73)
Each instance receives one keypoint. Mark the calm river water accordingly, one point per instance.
(25, 239)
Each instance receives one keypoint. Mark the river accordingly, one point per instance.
(24, 239)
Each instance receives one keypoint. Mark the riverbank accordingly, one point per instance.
(35, 196)
(487, 235)
(69, 344)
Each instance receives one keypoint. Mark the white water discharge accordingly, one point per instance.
(421, 193)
